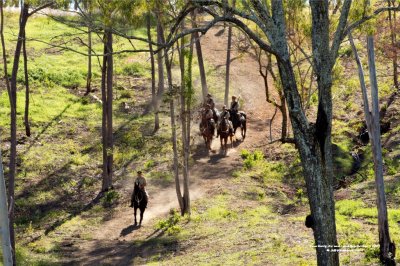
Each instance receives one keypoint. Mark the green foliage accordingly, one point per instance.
(126, 95)
(348, 207)
(250, 159)
(170, 225)
(135, 69)
(110, 198)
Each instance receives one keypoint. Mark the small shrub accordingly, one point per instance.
(110, 198)
(126, 95)
(250, 159)
(134, 69)
(170, 225)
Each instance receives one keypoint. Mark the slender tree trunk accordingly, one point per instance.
(153, 74)
(104, 114)
(27, 90)
(13, 98)
(4, 219)
(168, 63)
(110, 70)
(107, 99)
(160, 67)
(373, 125)
(383, 225)
(199, 52)
(228, 65)
(190, 92)
(185, 99)
(89, 73)
(392, 22)
(5, 233)
(228, 62)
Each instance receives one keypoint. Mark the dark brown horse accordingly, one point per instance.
(238, 120)
(225, 132)
(207, 131)
(139, 201)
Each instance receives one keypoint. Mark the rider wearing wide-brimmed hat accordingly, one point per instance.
(141, 182)
(210, 101)
(225, 115)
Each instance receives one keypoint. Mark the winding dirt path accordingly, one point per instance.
(111, 243)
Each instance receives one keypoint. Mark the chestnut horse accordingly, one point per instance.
(225, 132)
(207, 131)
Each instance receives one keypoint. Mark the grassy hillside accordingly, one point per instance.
(253, 217)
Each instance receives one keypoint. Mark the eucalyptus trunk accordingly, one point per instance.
(160, 69)
(27, 90)
(386, 253)
(107, 99)
(89, 73)
(153, 74)
(4, 218)
(13, 100)
(174, 139)
(199, 52)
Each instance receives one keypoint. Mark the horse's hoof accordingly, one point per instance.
(135, 224)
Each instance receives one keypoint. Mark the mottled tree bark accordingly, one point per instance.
(107, 99)
(27, 90)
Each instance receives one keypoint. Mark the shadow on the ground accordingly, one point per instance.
(116, 252)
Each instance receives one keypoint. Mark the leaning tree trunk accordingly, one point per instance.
(27, 90)
(372, 118)
(199, 52)
(168, 65)
(383, 225)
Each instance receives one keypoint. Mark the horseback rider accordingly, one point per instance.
(235, 108)
(211, 102)
(225, 115)
(141, 183)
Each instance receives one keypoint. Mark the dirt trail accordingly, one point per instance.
(110, 244)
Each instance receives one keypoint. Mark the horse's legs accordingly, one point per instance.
(141, 215)
(135, 209)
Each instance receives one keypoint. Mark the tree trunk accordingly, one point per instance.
(27, 90)
(199, 52)
(168, 63)
(160, 67)
(107, 97)
(185, 99)
(228, 65)
(4, 219)
(312, 140)
(228, 61)
(153, 74)
(110, 70)
(4, 225)
(375, 136)
(89, 73)
(392, 22)
(13, 99)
